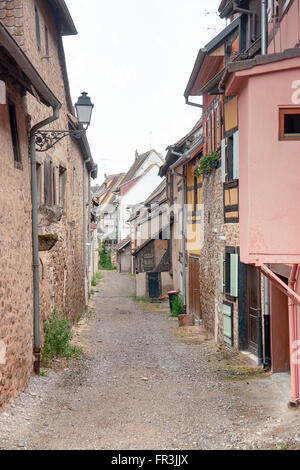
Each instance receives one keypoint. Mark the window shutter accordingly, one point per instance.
(234, 271)
(221, 272)
(223, 160)
(53, 185)
(236, 155)
(47, 181)
(227, 324)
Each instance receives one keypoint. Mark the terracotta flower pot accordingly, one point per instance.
(186, 320)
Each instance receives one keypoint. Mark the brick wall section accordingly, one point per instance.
(12, 16)
(16, 288)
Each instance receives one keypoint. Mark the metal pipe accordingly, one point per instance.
(35, 240)
(295, 392)
(198, 105)
(89, 229)
(267, 361)
(264, 27)
(84, 233)
(184, 239)
(259, 339)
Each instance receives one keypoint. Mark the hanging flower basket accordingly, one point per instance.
(206, 164)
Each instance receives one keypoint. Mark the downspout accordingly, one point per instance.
(183, 176)
(89, 228)
(35, 240)
(84, 232)
(190, 103)
(295, 392)
(184, 240)
(264, 27)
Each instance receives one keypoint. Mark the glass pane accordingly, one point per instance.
(292, 123)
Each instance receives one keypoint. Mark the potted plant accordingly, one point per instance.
(206, 163)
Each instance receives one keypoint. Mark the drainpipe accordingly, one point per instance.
(264, 27)
(84, 232)
(295, 392)
(267, 361)
(35, 240)
(89, 228)
(190, 103)
(184, 239)
(183, 176)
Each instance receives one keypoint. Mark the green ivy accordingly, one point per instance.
(206, 163)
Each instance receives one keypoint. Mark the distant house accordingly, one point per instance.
(150, 234)
(136, 187)
(123, 256)
(106, 209)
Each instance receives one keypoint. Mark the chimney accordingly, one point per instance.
(136, 155)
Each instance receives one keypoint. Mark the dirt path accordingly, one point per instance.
(140, 387)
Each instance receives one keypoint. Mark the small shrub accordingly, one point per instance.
(58, 335)
(177, 306)
(105, 259)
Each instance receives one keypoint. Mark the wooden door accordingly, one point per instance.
(153, 285)
(194, 287)
(254, 307)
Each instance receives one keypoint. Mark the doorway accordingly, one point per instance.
(254, 308)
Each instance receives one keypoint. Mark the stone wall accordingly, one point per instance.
(61, 269)
(210, 292)
(16, 286)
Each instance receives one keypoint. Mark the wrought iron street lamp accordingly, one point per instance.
(45, 140)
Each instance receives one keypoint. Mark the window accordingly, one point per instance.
(62, 185)
(289, 124)
(230, 158)
(230, 176)
(37, 28)
(14, 135)
(49, 182)
(231, 272)
(46, 42)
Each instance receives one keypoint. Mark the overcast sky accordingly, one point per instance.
(134, 58)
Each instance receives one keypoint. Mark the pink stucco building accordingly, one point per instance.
(268, 91)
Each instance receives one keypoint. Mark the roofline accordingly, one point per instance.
(71, 28)
(213, 44)
(224, 8)
(180, 159)
(15, 51)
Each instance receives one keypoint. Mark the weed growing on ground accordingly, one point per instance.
(58, 335)
(94, 291)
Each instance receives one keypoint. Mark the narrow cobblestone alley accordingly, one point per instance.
(139, 387)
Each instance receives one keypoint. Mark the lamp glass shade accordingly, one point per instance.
(84, 108)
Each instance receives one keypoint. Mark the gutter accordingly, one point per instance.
(35, 241)
(184, 157)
